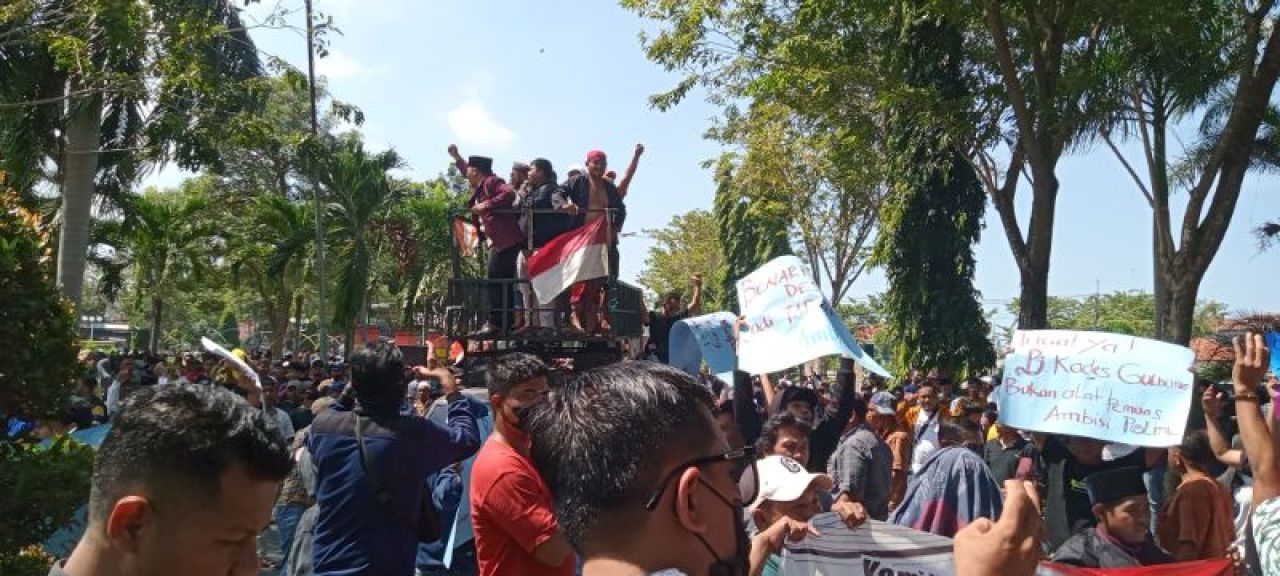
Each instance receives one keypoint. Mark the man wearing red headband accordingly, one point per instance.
(587, 198)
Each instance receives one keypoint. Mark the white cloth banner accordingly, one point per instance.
(789, 321)
(873, 548)
(1110, 387)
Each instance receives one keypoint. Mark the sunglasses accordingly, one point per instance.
(744, 473)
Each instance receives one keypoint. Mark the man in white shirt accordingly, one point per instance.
(924, 428)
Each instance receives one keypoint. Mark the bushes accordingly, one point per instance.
(41, 487)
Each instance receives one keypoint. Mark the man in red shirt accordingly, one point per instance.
(511, 507)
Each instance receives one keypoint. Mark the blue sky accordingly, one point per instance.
(556, 78)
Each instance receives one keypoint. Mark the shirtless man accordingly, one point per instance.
(599, 196)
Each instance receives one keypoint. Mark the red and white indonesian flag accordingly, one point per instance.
(467, 236)
(570, 258)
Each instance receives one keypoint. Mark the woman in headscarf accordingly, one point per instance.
(954, 486)
(539, 224)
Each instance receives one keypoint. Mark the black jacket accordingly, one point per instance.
(545, 226)
(1090, 550)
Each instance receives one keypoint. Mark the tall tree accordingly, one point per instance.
(104, 87)
(1032, 66)
(360, 194)
(166, 243)
(933, 218)
(752, 230)
(1218, 59)
(689, 245)
(271, 253)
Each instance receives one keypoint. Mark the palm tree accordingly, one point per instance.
(100, 90)
(273, 249)
(360, 195)
(166, 243)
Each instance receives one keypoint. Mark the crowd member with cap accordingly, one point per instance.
(1196, 523)
(788, 493)
(954, 486)
(654, 489)
(587, 198)
(829, 422)
(491, 201)
(882, 417)
(539, 226)
(1122, 537)
(183, 483)
(1061, 467)
(511, 508)
(862, 467)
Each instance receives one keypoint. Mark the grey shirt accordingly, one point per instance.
(861, 466)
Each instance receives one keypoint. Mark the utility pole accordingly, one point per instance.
(321, 279)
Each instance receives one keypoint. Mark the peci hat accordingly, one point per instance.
(785, 480)
(884, 403)
(1116, 484)
(481, 163)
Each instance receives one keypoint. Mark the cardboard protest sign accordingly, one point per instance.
(789, 321)
(708, 337)
(1106, 386)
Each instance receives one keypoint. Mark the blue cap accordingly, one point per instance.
(884, 403)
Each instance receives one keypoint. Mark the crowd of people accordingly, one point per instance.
(635, 468)
(521, 215)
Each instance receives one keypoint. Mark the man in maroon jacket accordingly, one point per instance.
(491, 202)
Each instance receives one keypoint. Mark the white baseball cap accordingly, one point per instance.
(784, 480)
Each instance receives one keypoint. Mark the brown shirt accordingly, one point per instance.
(900, 444)
(1200, 514)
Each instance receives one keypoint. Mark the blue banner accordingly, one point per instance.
(708, 337)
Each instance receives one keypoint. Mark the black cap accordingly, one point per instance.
(482, 163)
(797, 394)
(1111, 486)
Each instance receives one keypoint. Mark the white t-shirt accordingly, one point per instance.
(926, 442)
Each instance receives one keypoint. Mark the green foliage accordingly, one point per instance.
(38, 365)
(360, 195)
(932, 219)
(689, 245)
(869, 311)
(752, 231)
(1130, 313)
(43, 487)
(229, 330)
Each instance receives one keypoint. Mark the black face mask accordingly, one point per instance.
(736, 564)
(522, 414)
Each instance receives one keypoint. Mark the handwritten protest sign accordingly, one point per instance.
(1105, 386)
(708, 337)
(789, 321)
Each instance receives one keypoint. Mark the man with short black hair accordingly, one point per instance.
(372, 464)
(183, 483)
(862, 468)
(647, 481)
(671, 311)
(516, 530)
(1197, 522)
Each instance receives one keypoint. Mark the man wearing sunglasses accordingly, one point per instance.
(644, 483)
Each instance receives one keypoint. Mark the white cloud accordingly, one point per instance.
(473, 125)
(337, 66)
